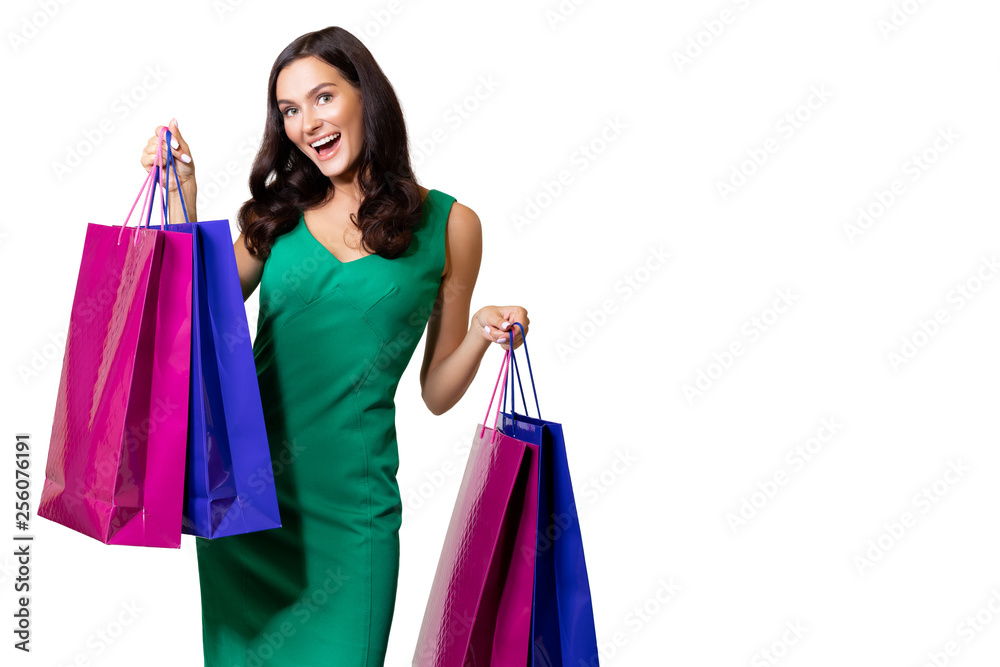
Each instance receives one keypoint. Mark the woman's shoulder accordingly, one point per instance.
(456, 207)
(459, 217)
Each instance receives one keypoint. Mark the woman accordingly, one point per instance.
(354, 260)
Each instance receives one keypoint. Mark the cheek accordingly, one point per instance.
(350, 113)
(357, 132)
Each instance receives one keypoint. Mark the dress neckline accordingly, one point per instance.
(302, 223)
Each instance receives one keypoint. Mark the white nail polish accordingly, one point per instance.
(173, 142)
(186, 158)
(486, 328)
(504, 325)
(502, 340)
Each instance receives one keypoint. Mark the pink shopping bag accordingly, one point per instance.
(479, 608)
(115, 467)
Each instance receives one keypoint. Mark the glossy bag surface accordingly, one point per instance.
(563, 631)
(115, 466)
(482, 587)
(166, 429)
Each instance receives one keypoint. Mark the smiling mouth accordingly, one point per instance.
(327, 144)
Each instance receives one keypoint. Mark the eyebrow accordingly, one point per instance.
(310, 93)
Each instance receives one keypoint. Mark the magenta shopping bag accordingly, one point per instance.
(479, 608)
(115, 467)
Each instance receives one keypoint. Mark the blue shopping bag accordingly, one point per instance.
(229, 484)
(562, 615)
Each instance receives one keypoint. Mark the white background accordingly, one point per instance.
(658, 473)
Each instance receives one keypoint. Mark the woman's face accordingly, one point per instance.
(318, 104)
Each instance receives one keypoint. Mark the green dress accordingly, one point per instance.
(333, 339)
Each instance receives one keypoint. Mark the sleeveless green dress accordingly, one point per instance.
(333, 339)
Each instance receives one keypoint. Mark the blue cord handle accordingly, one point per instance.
(171, 163)
(517, 373)
(166, 191)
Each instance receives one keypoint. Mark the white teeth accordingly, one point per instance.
(325, 140)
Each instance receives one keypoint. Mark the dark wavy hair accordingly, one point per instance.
(283, 180)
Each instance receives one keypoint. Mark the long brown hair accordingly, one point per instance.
(283, 180)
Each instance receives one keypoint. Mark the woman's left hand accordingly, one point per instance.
(496, 324)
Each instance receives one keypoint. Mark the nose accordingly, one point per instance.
(310, 121)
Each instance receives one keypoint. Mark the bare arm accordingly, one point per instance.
(250, 268)
(455, 347)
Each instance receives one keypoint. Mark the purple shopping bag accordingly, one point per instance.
(229, 486)
(479, 609)
(115, 467)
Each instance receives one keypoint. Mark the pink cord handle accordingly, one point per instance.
(147, 188)
(503, 366)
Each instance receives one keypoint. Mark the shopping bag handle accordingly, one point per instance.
(517, 374)
(166, 192)
(148, 186)
(503, 367)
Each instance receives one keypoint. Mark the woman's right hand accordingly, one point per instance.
(182, 158)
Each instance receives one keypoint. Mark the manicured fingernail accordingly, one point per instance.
(185, 157)
(486, 328)
(504, 325)
(173, 142)
(502, 340)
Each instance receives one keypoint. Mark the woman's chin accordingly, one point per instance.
(332, 168)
